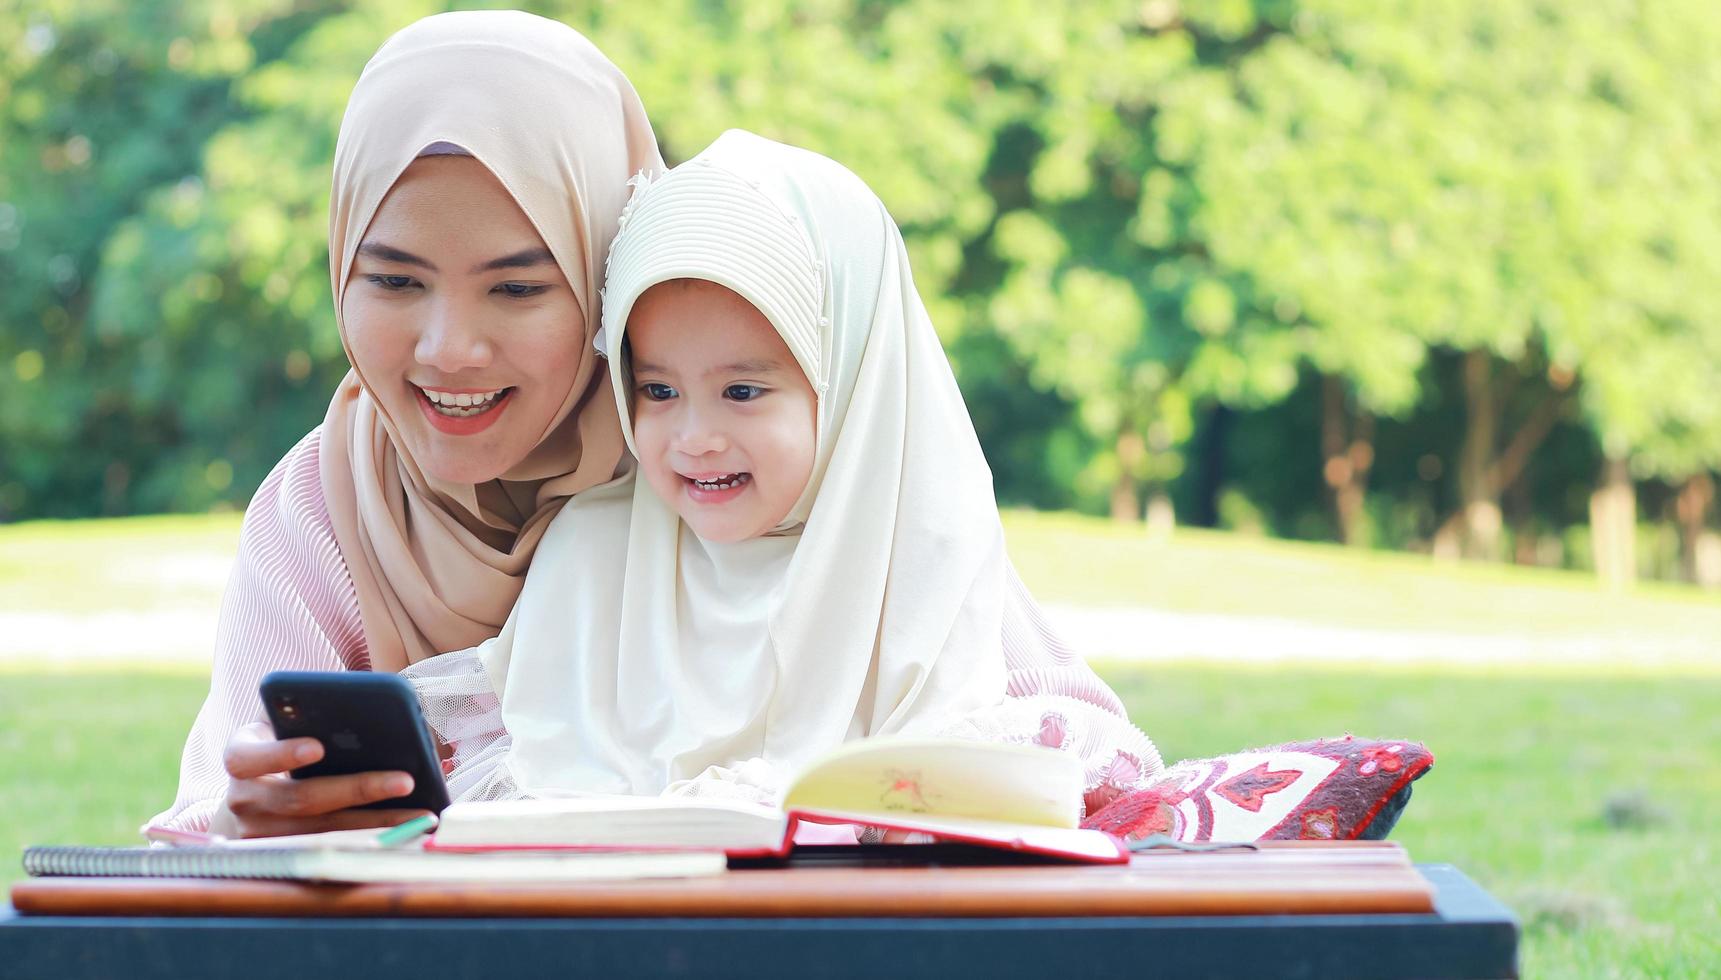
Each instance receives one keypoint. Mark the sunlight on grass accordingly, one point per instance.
(1080, 560)
(130, 564)
(145, 563)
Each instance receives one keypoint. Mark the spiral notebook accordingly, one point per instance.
(405, 864)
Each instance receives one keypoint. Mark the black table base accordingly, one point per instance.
(1470, 935)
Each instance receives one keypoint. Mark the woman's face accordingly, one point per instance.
(461, 322)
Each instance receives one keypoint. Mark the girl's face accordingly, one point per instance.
(723, 416)
(461, 322)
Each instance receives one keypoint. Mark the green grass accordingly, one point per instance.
(87, 756)
(1518, 799)
(1077, 560)
(128, 564)
(146, 563)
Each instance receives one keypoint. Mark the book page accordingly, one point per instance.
(892, 777)
(612, 821)
(505, 866)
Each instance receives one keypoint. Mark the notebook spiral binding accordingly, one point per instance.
(158, 862)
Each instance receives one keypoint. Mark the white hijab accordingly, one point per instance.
(876, 608)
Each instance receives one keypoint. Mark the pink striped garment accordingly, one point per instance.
(290, 605)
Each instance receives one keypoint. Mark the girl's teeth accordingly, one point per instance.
(464, 405)
(728, 482)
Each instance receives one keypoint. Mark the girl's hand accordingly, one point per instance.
(264, 801)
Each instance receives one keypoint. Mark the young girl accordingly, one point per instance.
(812, 550)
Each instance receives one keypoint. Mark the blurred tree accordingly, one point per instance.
(1094, 308)
(226, 272)
(860, 81)
(1655, 327)
(100, 104)
(1213, 193)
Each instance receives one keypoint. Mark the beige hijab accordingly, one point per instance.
(437, 566)
(876, 609)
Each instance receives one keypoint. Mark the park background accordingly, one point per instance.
(1346, 366)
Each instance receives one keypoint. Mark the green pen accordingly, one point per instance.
(402, 833)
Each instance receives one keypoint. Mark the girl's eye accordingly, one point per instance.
(743, 393)
(391, 283)
(519, 290)
(656, 391)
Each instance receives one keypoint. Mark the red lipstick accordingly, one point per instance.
(468, 425)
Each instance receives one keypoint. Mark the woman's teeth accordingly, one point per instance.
(726, 482)
(463, 405)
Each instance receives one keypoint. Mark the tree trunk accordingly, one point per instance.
(1692, 510)
(1161, 516)
(1125, 491)
(1485, 473)
(1613, 526)
(1518, 510)
(1125, 504)
(1476, 487)
(1347, 452)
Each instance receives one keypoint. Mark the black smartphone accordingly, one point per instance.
(366, 722)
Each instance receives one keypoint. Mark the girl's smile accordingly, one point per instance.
(719, 488)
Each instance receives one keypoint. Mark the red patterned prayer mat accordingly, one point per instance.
(1327, 789)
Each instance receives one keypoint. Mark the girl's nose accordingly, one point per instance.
(449, 342)
(696, 436)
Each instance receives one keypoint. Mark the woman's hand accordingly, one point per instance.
(264, 801)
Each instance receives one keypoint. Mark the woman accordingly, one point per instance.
(481, 168)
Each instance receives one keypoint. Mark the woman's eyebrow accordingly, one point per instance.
(388, 253)
(524, 259)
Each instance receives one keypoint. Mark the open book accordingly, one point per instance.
(1014, 797)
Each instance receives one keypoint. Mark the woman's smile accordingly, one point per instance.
(462, 412)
